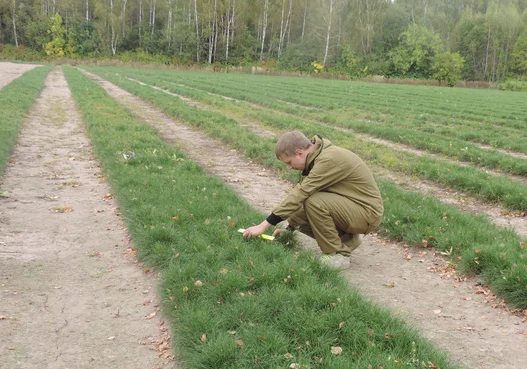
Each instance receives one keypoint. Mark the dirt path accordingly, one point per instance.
(11, 71)
(72, 292)
(458, 315)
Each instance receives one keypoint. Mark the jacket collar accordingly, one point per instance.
(320, 144)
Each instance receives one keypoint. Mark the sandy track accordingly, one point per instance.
(11, 71)
(458, 315)
(72, 292)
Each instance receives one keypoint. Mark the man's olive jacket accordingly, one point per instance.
(330, 168)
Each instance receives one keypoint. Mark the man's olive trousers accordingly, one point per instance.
(331, 219)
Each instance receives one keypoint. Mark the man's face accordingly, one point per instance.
(296, 161)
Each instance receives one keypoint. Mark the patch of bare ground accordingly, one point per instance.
(11, 71)
(519, 155)
(298, 105)
(459, 315)
(73, 293)
(495, 213)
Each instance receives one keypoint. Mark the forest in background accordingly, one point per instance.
(447, 40)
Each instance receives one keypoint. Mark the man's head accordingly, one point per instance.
(292, 148)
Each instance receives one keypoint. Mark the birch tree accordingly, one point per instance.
(284, 28)
(13, 21)
(264, 26)
(197, 29)
(331, 6)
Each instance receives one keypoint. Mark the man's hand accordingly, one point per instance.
(279, 232)
(257, 230)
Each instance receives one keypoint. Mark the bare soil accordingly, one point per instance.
(73, 293)
(11, 71)
(460, 315)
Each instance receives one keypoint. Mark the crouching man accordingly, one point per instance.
(337, 200)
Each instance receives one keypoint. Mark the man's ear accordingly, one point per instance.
(299, 152)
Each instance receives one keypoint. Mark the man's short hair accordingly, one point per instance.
(289, 142)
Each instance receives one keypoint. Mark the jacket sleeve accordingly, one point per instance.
(324, 173)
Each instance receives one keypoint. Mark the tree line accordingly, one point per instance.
(445, 40)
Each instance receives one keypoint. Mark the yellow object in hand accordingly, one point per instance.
(264, 236)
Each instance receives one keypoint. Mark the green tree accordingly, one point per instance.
(56, 47)
(416, 51)
(519, 54)
(37, 33)
(447, 66)
(83, 38)
(470, 40)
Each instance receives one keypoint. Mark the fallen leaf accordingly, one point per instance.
(223, 271)
(390, 285)
(185, 289)
(111, 338)
(336, 350)
(239, 343)
(203, 337)
(150, 316)
(10, 348)
(198, 283)
(437, 311)
(65, 209)
(341, 325)
(288, 356)
(232, 332)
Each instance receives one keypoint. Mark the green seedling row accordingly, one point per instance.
(16, 99)
(233, 303)
(400, 127)
(508, 192)
(475, 245)
(487, 106)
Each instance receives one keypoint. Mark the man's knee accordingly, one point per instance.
(314, 202)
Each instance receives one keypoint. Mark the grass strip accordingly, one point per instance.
(474, 244)
(233, 303)
(16, 99)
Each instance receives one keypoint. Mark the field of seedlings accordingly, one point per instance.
(190, 159)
